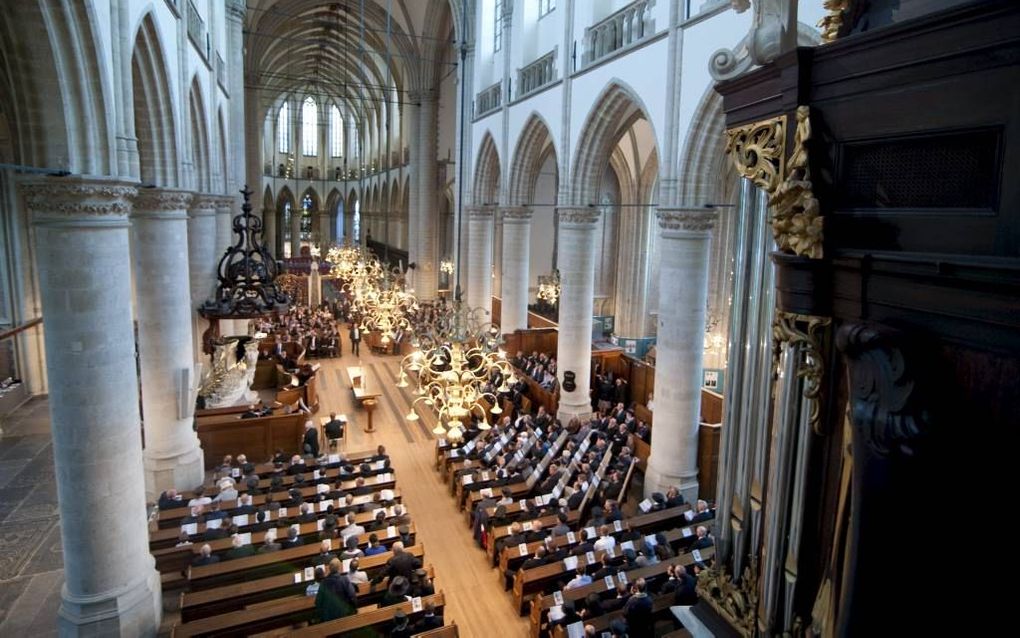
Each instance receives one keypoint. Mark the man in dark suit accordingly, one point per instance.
(401, 564)
(550, 482)
(638, 611)
(205, 557)
(292, 540)
(334, 428)
(270, 544)
(244, 505)
(537, 560)
(430, 620)
(260, 524)
(171, 499)
(583, 545)
(325, 554)
(704, 540)
(702, 513)
(310, 440)
(355, 335)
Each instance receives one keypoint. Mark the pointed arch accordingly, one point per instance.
(612, 111)
(703, 156)
(267, 198)
(284, 197)
(313, 195)
(199, 137)
(533, 147)
(155, 123)
(487, 172)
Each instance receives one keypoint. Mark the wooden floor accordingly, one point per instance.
(475, 598)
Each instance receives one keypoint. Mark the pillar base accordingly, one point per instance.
(133, 610)
(183, 471)
(657, 480)
(566, 412)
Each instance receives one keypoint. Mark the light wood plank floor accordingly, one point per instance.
(475, 597)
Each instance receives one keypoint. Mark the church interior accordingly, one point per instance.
(454, 318)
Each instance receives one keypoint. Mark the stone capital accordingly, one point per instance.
(484, 213)
(161, 203)
(77, 200)
(224, 202)
(515, 214)
(677, 222)
(237, 9)
(423, 95)
(579, 215)
(203, 205)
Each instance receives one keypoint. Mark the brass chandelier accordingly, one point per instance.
(549, 287)
(459, 371)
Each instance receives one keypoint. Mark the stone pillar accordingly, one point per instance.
(269, 229)
(479, 292)
(685, 234)
(202, 263)
(577, 290)
(173, 456)
(325, 234)
(224, 225)
(81, 230)
(425, 241)
(516, 260)
(295, 232)
(632, 275)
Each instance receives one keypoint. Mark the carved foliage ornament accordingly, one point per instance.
(77, 198)
(516, 213)
(736, 602)
(687, 220)
(758, 152)
(579, 215)
(831, 23)
(810, 331)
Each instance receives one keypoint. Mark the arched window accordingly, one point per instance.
(309, 128)
(283, 128)
(336, 132)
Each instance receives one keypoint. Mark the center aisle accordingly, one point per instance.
(475, 599)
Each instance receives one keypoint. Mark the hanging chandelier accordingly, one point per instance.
(549, 288)
(458, 369)
(446, 266)
(344, 257)
(388, 307)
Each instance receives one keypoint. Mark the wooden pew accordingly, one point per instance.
(258, 438)
(267, 468)
(446, 631)
(261, 565)
(529, 581)
(170, 518)
(377, 618)
(540, 606)
(220, 600)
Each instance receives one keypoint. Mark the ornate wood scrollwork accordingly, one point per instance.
(883, 404)
(810, 331)
(833, 22)
(758, 152)
(735, 601)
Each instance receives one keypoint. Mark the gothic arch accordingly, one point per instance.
(58, 48)
(600, 133)
(487, 172)
(315, 205)
(199, 138)
(703, 158)
(533, 147)
(153, 108)
(285, 196)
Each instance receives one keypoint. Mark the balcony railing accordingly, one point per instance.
(623, 28)
(196, 30)
(489, 100)
(537, 74)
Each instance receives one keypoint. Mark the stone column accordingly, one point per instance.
(202, 263)
(325, 234)
(295, 232)
(173, 456)
(632, 274)
(269, 229)
(224, 225)
(516, 260)
(81, 230)
(425, 241)
(685, 234)
(577, 289)
(479, 292)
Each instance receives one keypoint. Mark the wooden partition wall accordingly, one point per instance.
(534, 320)
(543, 340)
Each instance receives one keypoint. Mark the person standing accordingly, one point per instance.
(355, 335)
(336, 597)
